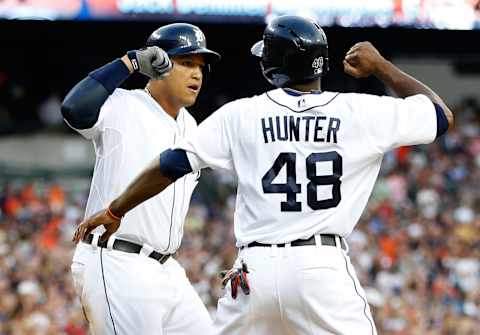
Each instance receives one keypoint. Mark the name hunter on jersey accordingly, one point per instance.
(300, 128)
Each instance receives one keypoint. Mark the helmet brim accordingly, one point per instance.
(257, 49)
(210, 55)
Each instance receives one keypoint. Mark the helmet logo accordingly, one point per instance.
(317, 65)
(199, 35)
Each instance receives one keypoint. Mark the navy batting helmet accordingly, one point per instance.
(294, 50)
(182, 39)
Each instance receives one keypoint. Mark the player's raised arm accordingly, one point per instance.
(363, 60)
(81, 107)
(171, 165)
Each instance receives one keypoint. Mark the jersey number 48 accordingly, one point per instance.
(291, 188)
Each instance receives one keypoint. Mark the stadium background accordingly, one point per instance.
(417, 246)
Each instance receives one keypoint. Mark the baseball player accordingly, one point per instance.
(130, 284)
(306, 162)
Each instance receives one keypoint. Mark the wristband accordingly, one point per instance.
(113, 216)
(132, 55)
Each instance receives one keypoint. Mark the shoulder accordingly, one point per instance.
(363, 100)
(242, 104)
(126, 101)
(121, 92)
(228, 109)
(125, 105)
(130, 94)
(354, 96)
(384, 99)
(122, 95)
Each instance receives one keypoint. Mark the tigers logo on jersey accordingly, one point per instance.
(317, 65)
(302, 102)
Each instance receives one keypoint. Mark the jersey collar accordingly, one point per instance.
(296, 93)
(300, 102)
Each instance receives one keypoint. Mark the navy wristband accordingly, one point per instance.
(442, 122)
(111, 75)
(132, 55)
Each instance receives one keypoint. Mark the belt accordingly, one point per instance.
(325, 239)
(127, 246)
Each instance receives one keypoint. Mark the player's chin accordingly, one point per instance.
(189, 100)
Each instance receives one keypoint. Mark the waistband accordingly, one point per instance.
(320, 239)
(126, 246)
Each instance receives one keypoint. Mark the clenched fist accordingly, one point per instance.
(151, 61)
(362, 60)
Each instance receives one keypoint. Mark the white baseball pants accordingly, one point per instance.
(296, 290)
(132, 294)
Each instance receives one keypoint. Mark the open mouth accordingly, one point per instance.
(194, 87)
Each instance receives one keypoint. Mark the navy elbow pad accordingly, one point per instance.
(81, 107)
(442, 122)
(174, 164)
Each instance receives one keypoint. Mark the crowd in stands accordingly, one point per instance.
(416, 249)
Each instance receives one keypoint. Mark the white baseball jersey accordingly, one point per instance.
(130, 129)
(305, 164)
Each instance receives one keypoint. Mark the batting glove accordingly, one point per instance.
(151, 61)
(237, 277)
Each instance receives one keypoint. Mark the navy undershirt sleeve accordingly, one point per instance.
(111, 75)
(174, 164)
(81, 106)
(442, 122)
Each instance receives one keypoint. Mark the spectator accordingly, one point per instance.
(416, 249)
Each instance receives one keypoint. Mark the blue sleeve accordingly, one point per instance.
(81, 106)
(442, 122)
(174, 164)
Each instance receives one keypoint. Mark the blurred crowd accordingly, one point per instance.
(24, 107)
(416, 248)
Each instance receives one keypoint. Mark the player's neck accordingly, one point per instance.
(307, 87)
(167, 105)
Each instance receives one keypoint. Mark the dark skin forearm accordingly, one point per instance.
(363, 60)
(404, 85)
(146, 185)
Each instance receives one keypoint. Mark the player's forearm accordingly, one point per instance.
(405, 85)
(401, 83)
(146, 185)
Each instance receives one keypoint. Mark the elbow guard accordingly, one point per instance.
(81, 106)
(174, 164)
